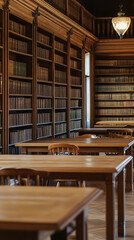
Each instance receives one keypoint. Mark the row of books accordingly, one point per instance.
(105, 118)
(44, 90)
(75, 92)
(60, 91)
(60, 103)
(44, 103)
(64, 135)
(75, 52)
(60, 116)
(0, 139)
(126, 62)
(44, 117)
(116, 88)
(60, 128)
(20, 103)
(20, 119)
(75, 64)
(60, 76)
(60, 59)
(60, 45)
(43, 53)
(74, 134)
(16, 86)
(115, 104)
(45, 131)
(17, 27)
(75, 124)
(0, 120)
(112, 96)
(0, 66)
(20, 135)
(118, 79)
(0, 38)
(18, 45)
(43, 38)
(75, 80)
(76, 103)
(75, 113)
(123, 111)
(114, 71)
(17, 68)
(42, 73)
(0, 84)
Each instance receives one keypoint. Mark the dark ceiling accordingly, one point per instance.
(108, 8)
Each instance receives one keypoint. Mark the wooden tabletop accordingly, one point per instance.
(81, 142)
(79, 164)
(42, 208)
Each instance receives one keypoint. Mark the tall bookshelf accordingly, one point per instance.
(75, 89)
(1, 78)
(60, 60)
(20, 81)
(114, 88)
(44, 84)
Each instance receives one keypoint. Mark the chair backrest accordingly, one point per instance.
(16, 176)
(63, 148)
(120, 133)
(87, 136)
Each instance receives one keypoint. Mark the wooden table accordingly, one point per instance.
(119, 145)
(99, 130)
(89, 168)
(28, 212)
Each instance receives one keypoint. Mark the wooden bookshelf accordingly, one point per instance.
(75, 89)
(114, 88)
(44, 83)
(20, 81)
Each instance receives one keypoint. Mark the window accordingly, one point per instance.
(87, 87)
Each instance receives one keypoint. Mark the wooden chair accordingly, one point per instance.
(124, 133)
(16, 176)
(119, 133)
(65, 149)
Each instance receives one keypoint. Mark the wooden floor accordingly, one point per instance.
(96, 219)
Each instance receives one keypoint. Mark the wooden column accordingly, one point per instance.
(34, 73)
(5, 78)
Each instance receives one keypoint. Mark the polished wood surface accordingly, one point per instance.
(99, 130)
(42, 208)
(90, 168)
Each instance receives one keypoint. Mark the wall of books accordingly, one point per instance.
(114, 88)
(1, 77)
(20, 80)
(75, 89)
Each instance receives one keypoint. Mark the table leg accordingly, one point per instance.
(110, 207)
(121, 204)
(129, 176)
(81, 225)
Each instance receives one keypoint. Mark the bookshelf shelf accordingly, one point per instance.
(21, 77)
(20, 53)
(76, 86)
(76, 69)
(42, 109)
(45, 45)
(62, 84)
(39, 96)
(47, 123)
(1, 47)
(114, 88)
(20, 95)
(20, 110)
(44, 59)
(43, 81)
(61, 64)
(57, 134)
(12, 33)
(20, 126)
(60, 51)
(76, 58)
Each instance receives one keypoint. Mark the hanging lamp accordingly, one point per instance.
(121, 23)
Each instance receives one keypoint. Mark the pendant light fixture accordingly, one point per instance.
(121, 23)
